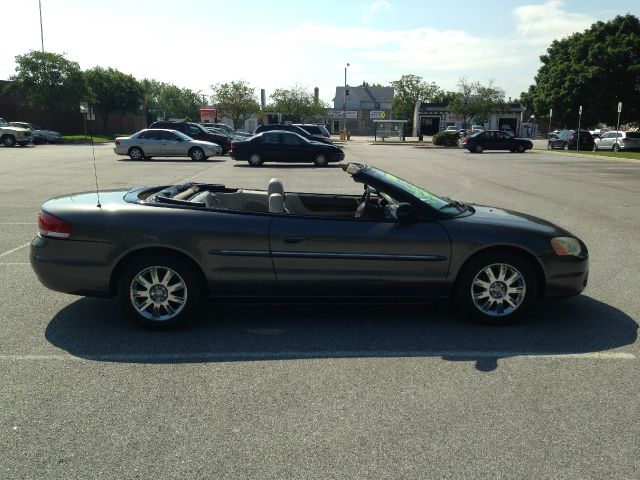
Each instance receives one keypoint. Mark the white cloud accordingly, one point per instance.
(541, 24)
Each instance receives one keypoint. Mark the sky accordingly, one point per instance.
(283, 43)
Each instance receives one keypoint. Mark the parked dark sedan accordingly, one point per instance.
(495, 140)
(197, 132)
(161, 250)
(568, 140)
(289, 127)
(282, 146)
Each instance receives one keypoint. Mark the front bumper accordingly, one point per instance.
(74, 267)
(565, 275)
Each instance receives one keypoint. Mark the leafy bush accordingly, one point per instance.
(446, 139)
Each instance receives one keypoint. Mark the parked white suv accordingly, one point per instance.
(9, 135)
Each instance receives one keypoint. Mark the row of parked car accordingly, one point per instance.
(585, 140)
(275, 142)
(24, 133)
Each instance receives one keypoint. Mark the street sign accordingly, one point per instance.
(84, 107)
(378, 114)
(619, 107)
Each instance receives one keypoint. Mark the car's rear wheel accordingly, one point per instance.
(196, 154)
(255, 160)
(478, 149)
(159, 291)
(9, 141)
(496, 288)
(521, 149)
(320, 160)
(136, 153)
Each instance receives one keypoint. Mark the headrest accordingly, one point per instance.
(275, 186)
(276, 203)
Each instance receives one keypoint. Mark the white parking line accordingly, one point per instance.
(14, 250)
(295, 355)
(14, 263)
(18, 223)
(191, 177)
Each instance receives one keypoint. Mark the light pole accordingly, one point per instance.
(41, 34)
(344, 105)
(549, 132)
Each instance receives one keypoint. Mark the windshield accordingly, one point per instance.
(444, 205)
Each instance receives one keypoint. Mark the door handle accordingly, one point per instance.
(290, 239)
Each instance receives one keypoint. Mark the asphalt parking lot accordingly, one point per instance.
(327, 391)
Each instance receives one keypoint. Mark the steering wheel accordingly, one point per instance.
(362, 206)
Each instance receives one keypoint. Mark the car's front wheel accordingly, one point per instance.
(136, 153)
(159, 291)
(197, 154)
(478, 149)
(320, 160)
(255, 160)
(496, 288)
(9, 141)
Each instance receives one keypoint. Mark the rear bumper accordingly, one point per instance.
(565, 275)
(74, 267)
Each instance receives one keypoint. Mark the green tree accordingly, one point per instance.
(113, 92)
(170, 101)
(297, 105)
(477, 101)
(48, 80)
(597, 69)
(409, 90)
(236, 99)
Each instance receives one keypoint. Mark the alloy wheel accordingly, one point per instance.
(498, 290)
(158, 293)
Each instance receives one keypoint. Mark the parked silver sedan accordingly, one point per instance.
(156, 142)
(618, 141)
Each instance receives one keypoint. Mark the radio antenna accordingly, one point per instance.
(95, 169)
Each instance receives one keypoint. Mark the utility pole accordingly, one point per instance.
(579, 120)
(344, 106)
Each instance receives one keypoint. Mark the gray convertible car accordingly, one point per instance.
(162, 250)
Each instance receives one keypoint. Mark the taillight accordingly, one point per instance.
(117, 141)
(326, 135)
(54, 227)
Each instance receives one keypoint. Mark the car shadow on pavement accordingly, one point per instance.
(96, 330)
(173, 160)
(286, 165)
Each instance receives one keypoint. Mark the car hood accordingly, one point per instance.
(508, 218)
(204, 143)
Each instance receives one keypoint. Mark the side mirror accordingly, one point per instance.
(405, 212)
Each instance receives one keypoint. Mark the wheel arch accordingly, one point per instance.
(529, 257)
(122, 264)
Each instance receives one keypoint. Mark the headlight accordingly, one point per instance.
(566, 246)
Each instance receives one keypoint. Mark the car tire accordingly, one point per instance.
(9, 141)
(159, 292)
(478, 149)
(136, 153)
(255, 159)
(485, 284)
(521, 149)
(320, 160)
(197, 154)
